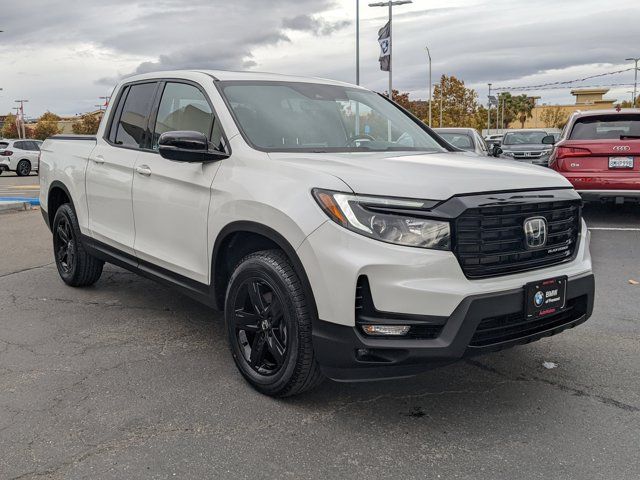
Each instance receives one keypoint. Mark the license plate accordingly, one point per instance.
(545, 297)
(620, 162)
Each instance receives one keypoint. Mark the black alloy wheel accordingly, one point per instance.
(269, 317)
(76, 266)
(64, 245)
(260, 327)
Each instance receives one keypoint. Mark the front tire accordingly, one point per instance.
(24, 168)
(76, 267)
(268, 318)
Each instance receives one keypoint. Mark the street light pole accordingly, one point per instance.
(357, 42)
(429, 55)
(390, 4)
(489, 111)
(22, 102)
(635, 77)
(441, 97)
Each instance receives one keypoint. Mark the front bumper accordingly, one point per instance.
(346, 354)
(604, 195)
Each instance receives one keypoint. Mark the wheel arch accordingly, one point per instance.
(256, 237)
(57, 195)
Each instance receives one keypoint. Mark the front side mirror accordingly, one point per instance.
(187, 146)
(549, 140)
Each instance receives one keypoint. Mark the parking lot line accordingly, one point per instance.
(616, 229)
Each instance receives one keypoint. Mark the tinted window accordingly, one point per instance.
(183, 107)
(33, 146)
(606, 127)
(4, 144)
(20, 145)
(132, 126)
(523, 138)
(284, 116)
(459, 140)
(113, 128)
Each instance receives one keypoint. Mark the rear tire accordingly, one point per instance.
(76, 267)
(24, 168)
(268, 318)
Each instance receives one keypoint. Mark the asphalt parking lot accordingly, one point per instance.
(129, 379)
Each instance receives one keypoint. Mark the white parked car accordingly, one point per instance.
(349, 248)
(20, 156)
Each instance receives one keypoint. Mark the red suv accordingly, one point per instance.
(599, 153)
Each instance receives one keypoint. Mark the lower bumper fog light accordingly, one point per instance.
(393, 330)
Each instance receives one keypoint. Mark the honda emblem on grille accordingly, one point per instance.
(535, 232)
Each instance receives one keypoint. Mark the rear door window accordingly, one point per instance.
(606, 127)
(20, 145)
(132, 126)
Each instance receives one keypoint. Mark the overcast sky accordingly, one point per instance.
(63, 55)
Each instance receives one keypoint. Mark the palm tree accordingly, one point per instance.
(523, 107)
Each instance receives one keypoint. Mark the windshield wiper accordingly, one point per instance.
(622, 137)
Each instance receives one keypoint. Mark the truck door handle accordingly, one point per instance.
(98, 159)
(144, 170)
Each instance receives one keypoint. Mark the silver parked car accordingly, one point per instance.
(464, 138)
(526, 146)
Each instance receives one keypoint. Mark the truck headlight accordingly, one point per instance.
(507, 154)
(375, 218)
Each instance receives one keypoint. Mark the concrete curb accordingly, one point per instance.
(34, 201)
(14, 206)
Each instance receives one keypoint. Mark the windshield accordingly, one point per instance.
(523, 138)
(293, 116)
(606, 127)
(459, 140)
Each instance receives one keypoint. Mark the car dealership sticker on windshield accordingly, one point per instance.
(549, 365)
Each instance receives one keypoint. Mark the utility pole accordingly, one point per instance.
(17, 109)
(441, 97)
(357, 123)
(22, 102)
(635, 78)
(502, 116)
(489, 111)
(390, 4)
(357, 42)
(429, 55)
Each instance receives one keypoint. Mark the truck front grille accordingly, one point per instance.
(490, 241)
(527, 155)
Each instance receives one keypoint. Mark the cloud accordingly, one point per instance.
(62, 61)
(317, 26)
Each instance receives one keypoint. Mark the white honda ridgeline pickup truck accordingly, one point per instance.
(341, 236)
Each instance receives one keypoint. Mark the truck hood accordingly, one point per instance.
(429, 176)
